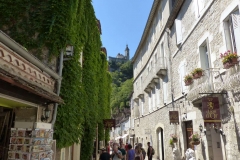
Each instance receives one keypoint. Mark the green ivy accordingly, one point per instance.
(44, 28)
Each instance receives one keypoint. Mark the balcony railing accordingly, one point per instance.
(232, 79)
(210, 82)
(161, 66)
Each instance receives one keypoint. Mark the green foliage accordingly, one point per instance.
(122, 85)
(44, 28)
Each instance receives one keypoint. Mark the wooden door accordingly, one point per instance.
(189, 132)
(6, 122)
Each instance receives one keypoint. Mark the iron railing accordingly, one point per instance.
(210, 82)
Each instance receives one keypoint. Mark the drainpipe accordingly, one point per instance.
(5, 39)
(58, 88)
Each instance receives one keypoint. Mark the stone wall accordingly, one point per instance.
(195, 30)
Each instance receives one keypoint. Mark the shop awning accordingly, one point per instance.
(33, 89)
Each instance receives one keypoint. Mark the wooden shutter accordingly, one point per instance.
(236, 29)
(178, 25)
(182, 74)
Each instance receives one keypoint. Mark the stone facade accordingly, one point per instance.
(194, 40)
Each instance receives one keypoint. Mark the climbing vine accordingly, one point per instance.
(46, 27)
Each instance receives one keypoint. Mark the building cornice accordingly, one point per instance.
(147, 28)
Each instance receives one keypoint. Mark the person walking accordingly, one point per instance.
(105, 155)
(122, 149)
(130, 153)
(138, 152)
(149, 151)
(117, 154)
(143, 150)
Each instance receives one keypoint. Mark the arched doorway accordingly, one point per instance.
(160, 144)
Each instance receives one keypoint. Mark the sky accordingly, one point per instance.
(122, 23)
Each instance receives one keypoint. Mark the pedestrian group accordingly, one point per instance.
(122, 151)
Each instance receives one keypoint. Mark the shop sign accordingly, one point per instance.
(211, 111)
(109, 123)
(174, 117)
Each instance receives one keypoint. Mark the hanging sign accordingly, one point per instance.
(174, 117)
(109, 123)
(211, 111)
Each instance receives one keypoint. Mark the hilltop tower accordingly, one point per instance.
(127, 52)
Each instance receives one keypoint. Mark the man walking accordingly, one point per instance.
(117, 154)
(149, 151)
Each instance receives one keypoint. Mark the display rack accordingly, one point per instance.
(30, 144)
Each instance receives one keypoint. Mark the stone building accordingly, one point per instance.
(192, 35)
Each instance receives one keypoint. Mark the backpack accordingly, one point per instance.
(144, 153)
(153, 151)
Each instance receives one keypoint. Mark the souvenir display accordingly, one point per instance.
(28, 144)
(13, 132)
(28, 133)
(11, 155)
(19, 140)
(21, 132)
(12, 147)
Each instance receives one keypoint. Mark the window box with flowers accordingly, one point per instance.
(188, 79)
(229, 59)
(197, 73)
(195, 139)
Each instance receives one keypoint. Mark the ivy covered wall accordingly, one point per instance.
(44, 28)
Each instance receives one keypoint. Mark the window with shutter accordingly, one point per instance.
(165, 89)
(158, 94)
(178, 25)
(235, 17)
(149, 102)
(153, 99)
(182, 74)
(142, 106)
(232, 31)
(204, 55)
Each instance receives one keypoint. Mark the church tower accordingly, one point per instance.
(127, 52)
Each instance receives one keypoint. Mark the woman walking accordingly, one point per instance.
(138, 152)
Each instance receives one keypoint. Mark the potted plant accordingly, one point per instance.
(188, 79)
(197, 73)
(195, 139)
(174, 138)
(229, 59)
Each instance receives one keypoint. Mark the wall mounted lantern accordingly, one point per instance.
(200, 127)
(221, 132)
(45, 114)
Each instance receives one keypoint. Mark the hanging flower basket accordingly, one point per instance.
(188, 82)
(175, 140)
(195, 143)
(195, 139)
(229, 59)
(234, 60)
(228, 65)
(197, 75)
(188, 79)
